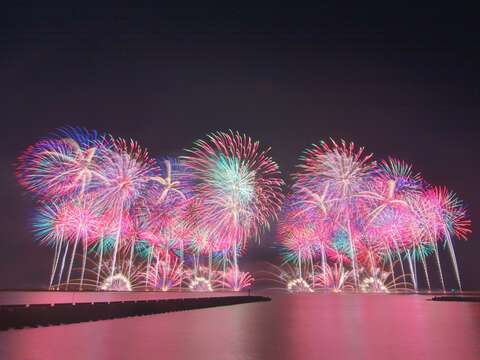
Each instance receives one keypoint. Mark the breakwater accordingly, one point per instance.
(20, 316)
(457, 298)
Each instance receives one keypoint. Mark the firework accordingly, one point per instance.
(164, 275)
(128, 170)
(238, 186)
(348, 222)
(125, 278)
(335, 277)
(237, 280)
(383, 280)
(62, 165)
(349, 212)
(49, 226)
(203, 279)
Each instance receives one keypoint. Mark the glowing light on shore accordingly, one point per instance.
(117, 282)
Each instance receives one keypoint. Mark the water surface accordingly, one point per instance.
(310, 326)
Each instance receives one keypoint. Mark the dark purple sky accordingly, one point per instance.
(400, 81)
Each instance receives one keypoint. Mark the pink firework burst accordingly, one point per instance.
(66, 164)
(239, 185)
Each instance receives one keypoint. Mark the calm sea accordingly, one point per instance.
(316, 326)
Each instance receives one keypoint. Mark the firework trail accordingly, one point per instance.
(49, 227)
(127, 169)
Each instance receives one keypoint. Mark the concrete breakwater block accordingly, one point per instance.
(20, 316)
(457, 298)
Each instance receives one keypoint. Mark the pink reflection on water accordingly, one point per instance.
(334, 326)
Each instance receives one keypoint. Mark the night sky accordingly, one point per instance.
(399, 81)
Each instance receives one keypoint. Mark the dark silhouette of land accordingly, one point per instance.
(457, 298)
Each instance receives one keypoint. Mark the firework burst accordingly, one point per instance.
(238, 186)
(348, 211)
(348, 222)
